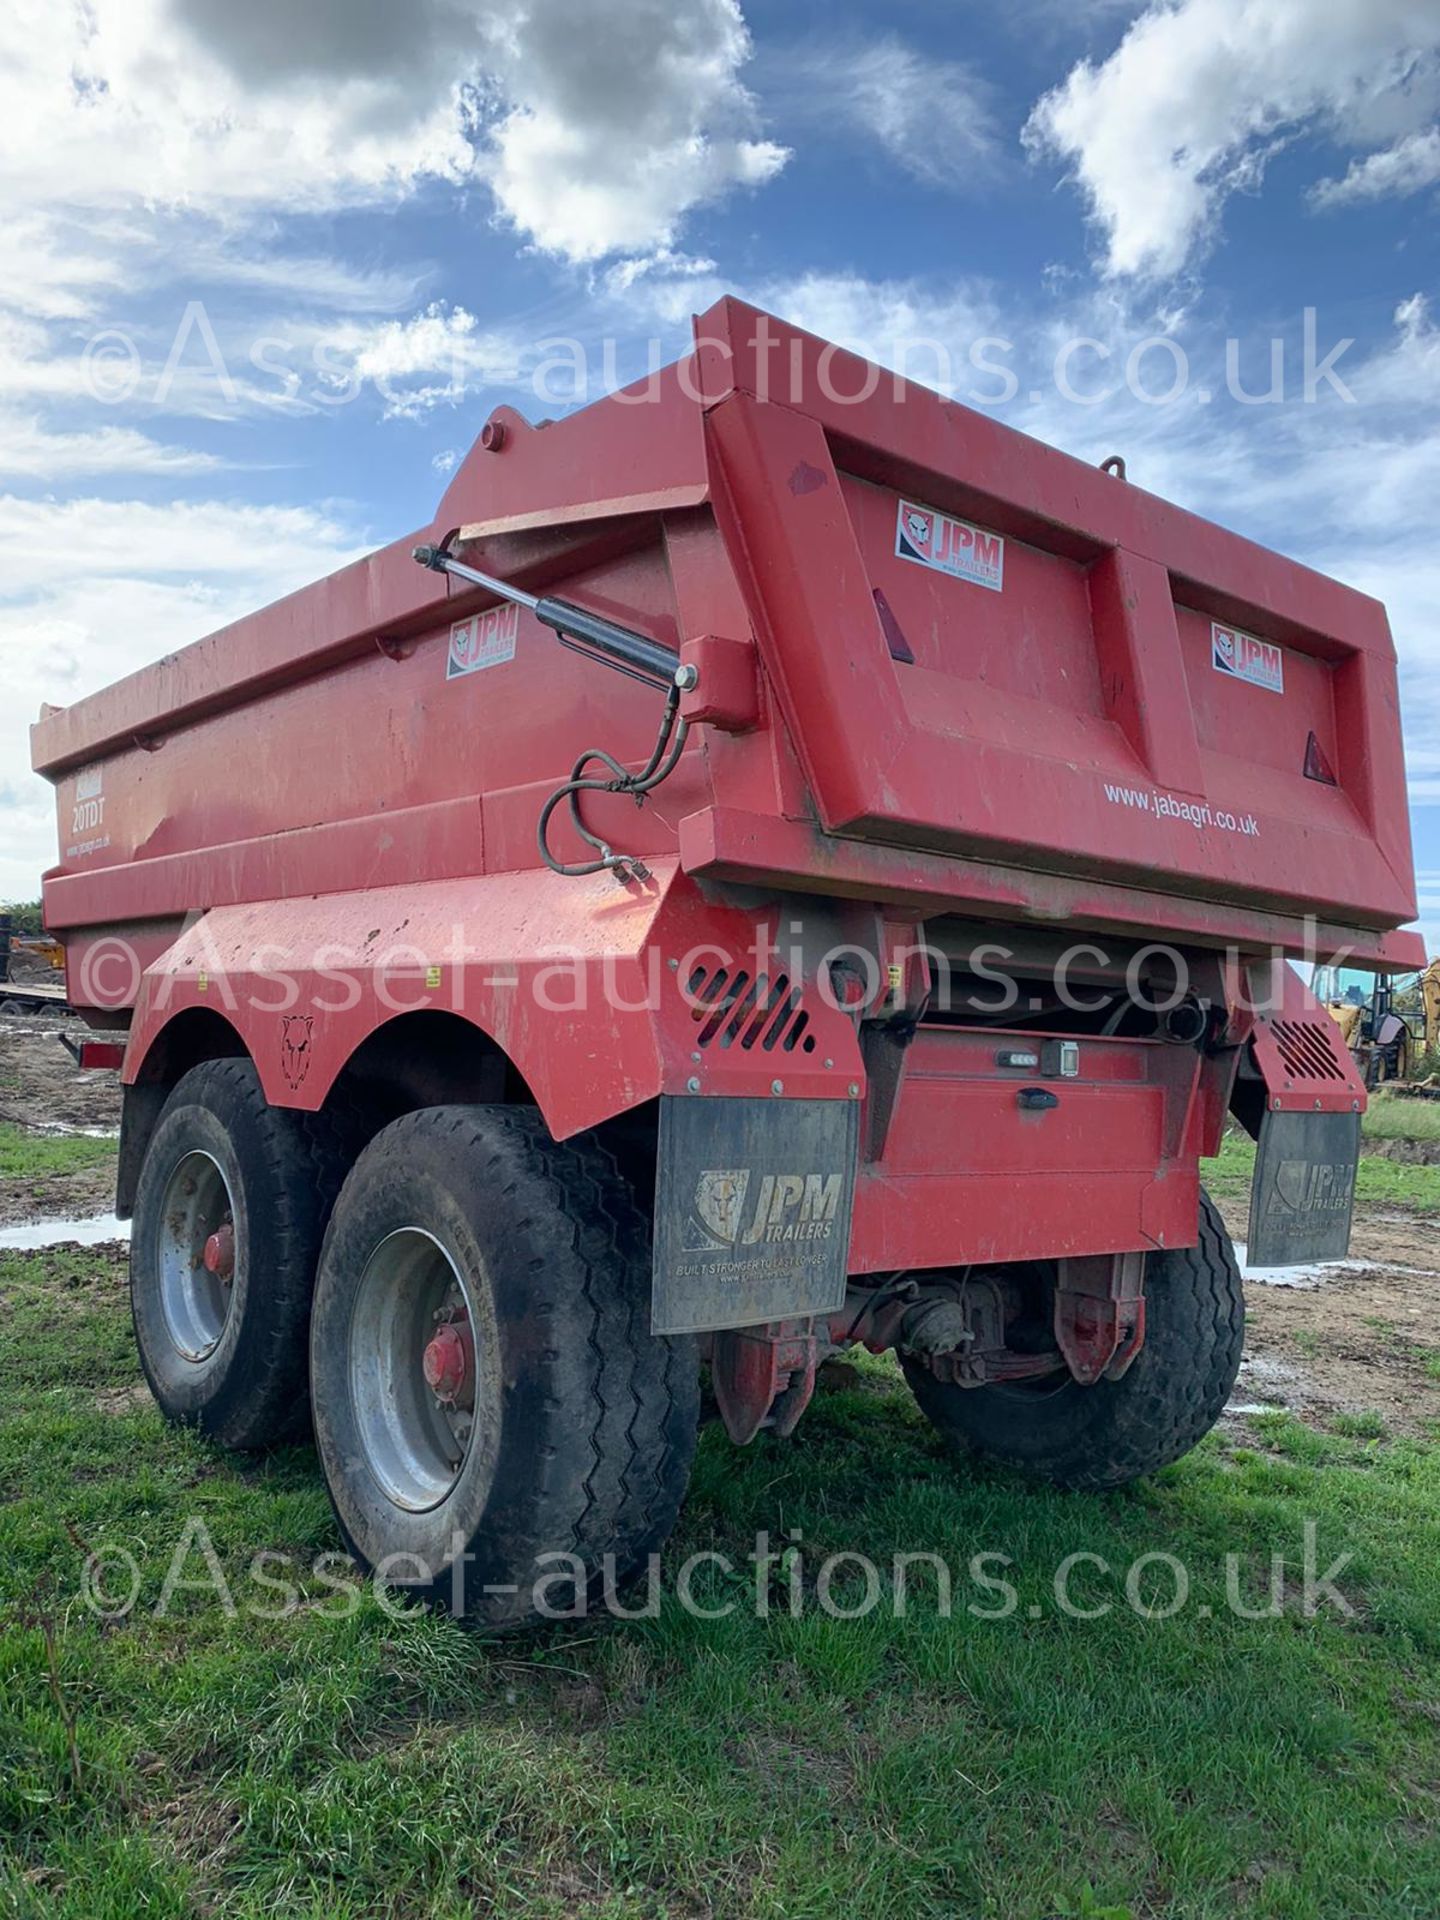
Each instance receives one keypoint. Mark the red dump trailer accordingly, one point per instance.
(779, 861)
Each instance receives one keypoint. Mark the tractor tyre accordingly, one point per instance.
(501, 1434)
(1117, 1430)
(230, 1211)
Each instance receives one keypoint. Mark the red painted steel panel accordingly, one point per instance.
(969, 1173)
(999, 742)
(732, 845)
(1048, 746)
(904, 1221)
(572, 979)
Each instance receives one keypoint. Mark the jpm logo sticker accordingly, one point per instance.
(788, 1208)
(1243, 657)
(486, 640)
(936, 541)
(1310, 1187)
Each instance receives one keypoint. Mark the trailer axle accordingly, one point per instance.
(956, 1325)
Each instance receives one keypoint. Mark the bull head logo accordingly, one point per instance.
(720, 1201)
(295, 1047)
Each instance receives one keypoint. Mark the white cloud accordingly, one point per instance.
(250, 552)
(934, 117)
(121, 103)
(315, 280)
(437, 358)
(921, 329)
(30, 367)
(598, 128)
(617, 120)
(150, 143)
(196, 366)
(50, 270)
(664, 286)
(1410, 166)
(92, 589)
(1193, 101)
(146, 139)
(29, 451)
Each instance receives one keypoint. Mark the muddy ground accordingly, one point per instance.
(1362, 1338)
(43, 1091)
(40, 1085)
(1358, 1338)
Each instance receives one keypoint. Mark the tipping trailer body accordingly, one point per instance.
(951, 687)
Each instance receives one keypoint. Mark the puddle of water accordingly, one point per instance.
(1317, 1274)
(63, 1129)
(32, 1235)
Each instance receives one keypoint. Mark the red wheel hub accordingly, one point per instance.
(450, 1364)
(219, 1254)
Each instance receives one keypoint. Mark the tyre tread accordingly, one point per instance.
(303, 1161)
(615, 1482)
(1119, 1431)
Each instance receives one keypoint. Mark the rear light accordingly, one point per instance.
(94, 1055)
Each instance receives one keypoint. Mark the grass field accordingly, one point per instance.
(27, 1156)
(1377, 1181)
(1392, 1117)
(342, 1760)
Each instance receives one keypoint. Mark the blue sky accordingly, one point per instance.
(265, 270)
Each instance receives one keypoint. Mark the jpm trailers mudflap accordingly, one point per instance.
(1303, 1193)
(1300, 1096)
(753, 1208)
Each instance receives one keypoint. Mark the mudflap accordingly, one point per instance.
(1304, 1188)
(753, 1201)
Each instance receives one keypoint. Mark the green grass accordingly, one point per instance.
(1228, 1175)
(29, 1156)
(1392, 1117)
(1365, 1425)
(1377, 1181)
(1198, 1768)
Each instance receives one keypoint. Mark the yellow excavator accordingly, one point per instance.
(1389, 1023)
(32, 969)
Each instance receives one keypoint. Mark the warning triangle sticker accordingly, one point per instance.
(1317, 767)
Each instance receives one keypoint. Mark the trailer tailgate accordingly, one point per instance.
(986, 648)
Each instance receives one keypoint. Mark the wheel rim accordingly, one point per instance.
(197, 1255)
(412, 1369)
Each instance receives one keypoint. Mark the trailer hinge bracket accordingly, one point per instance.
(1100, 1314)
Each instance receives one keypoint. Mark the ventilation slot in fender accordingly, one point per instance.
(1307, 1049)
(732, 1009)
